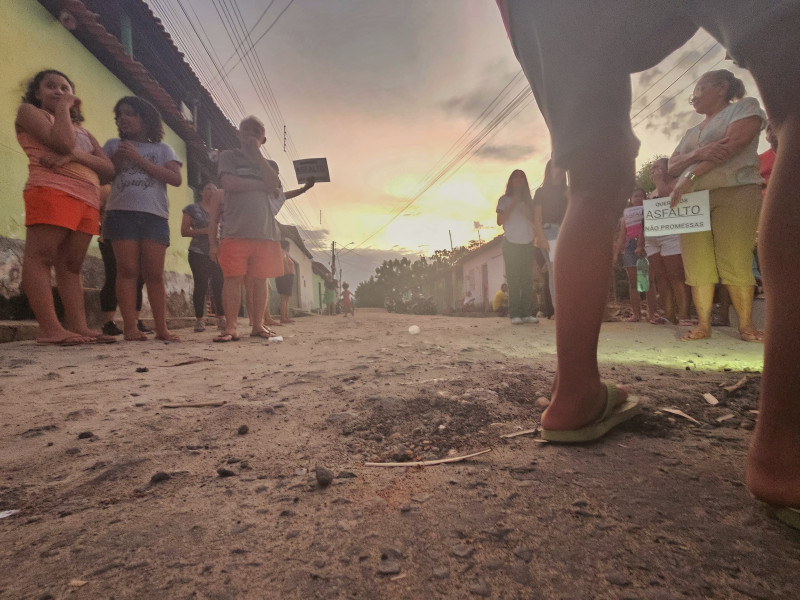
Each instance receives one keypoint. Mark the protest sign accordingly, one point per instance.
(312, 167)
(691, 214)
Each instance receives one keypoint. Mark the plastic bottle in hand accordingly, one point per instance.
(642, 274)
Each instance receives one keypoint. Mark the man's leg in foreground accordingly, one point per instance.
(599, 184)
(773, 468)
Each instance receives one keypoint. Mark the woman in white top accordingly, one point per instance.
(721, 155)
(515, 215)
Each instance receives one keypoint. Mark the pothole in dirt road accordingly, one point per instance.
(445, 417)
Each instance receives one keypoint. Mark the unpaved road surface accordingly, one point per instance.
(120, 497)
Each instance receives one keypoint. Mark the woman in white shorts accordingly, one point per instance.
(664, 254)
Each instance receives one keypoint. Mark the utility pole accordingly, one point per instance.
(284, 138)
(451, 239)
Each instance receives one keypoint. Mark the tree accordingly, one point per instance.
(643, 175)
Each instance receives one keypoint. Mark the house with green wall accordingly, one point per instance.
(109, 49)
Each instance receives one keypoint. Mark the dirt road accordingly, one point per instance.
(121, 497)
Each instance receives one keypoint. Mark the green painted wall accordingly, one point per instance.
(32, 40)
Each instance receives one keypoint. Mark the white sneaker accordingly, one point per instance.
(530, 320)
(516, 321)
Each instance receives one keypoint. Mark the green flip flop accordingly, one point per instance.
(616, 412)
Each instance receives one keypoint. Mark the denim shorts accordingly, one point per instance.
(135, 225)
(629, 258)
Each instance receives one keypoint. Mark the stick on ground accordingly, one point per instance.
(428, 463)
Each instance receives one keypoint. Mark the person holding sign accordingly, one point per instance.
(721, 155)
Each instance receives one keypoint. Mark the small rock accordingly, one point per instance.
(406, 507)
(269, 410)
(142, 369)
(85, 435)
(159, 477)
(441, 573)
(542, 402)
(243, 429)
(324, 476)
(72, 451)
(318, 564)
(222, 472)
(481, 589)
(346, 475)
(389, 567)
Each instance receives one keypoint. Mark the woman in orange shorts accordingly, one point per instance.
(62, 199)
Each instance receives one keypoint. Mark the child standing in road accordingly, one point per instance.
(62, 204)
(138, 209)
(347, 300)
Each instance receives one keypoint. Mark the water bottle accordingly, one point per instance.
(642, 274)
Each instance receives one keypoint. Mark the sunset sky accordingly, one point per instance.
(388, 91)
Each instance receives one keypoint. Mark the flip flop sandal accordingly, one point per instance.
(788, 516)
(616, 412)
(225, 338)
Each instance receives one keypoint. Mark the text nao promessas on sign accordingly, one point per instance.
(690, 215)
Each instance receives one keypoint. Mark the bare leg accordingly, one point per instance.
(248, 300)
(127, 253)
(268, 320)
(42, 248)
(633, 294)
(703, 296)
(742, 300)
(773, 468)
(152, 264)
(599, 183)
(259, 301)
(658, 275)
(231, 301)
(724, 307)
(71, 254)
(677, 283)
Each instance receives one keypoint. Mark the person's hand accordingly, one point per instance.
(213, 251)
(640, 251)
(51, 160)
(70, 102)
(309, 184)
(127, 151)
(683, 186)
(717, 152)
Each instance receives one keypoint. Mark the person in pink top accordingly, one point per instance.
(62, 204)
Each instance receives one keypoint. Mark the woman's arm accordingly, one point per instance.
(96, 160)
(538, 229)
(188, 231)
(294, 193)
(213, 225)
(502, 215)
(619, 243)
(58, 136)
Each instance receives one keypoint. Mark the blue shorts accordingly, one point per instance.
(629, 258)
(135, 225)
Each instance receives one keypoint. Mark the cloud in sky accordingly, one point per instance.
(506, 153)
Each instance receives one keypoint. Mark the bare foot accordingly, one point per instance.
(68, 339)
(633, 319)
(272, 322)
(696, 334)
(134, 336)
(773, 468)
(569, 415)
(751, 334)
(167, 336)
(287, 320)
